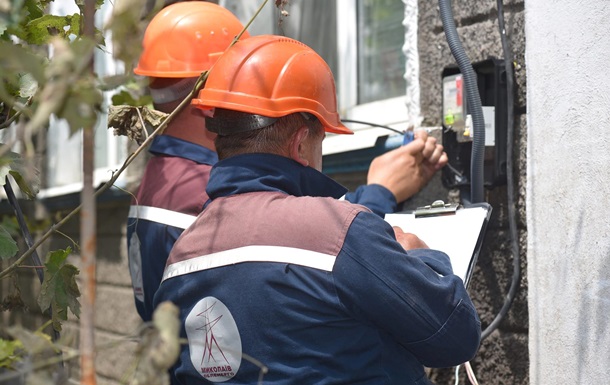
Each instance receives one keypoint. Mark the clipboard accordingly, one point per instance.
(456, 230)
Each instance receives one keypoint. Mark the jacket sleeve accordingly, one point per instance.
(411, 295)
(155, 242)
(375, 197)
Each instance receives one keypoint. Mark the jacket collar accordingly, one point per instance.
(267, 172)
(170, 146)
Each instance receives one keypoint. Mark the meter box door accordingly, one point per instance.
(457, 126)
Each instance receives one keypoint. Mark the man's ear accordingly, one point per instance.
(297, 146)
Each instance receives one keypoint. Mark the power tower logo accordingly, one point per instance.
(214, 341)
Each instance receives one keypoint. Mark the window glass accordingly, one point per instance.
(314, 22)
(64, 151)
(381, 63)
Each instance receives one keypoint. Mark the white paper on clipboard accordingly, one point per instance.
(459, 235)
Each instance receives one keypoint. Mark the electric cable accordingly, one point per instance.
(512, 224)
(470, 373)
(473, 100)
(372, 125)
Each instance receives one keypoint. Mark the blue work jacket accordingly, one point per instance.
(280, 281)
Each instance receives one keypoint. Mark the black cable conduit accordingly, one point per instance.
(473, 100)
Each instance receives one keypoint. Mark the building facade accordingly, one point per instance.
(389, 58)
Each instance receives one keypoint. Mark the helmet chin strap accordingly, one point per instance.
(176, 91)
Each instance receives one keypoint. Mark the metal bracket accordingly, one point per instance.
(436, 208)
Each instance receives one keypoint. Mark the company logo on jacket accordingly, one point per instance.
(214, 341)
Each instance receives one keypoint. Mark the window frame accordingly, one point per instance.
(394, 110)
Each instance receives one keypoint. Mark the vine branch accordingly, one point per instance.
(200, 82)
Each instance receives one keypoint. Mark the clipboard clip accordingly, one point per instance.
(436, 208)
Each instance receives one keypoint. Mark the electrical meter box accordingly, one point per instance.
(457, 125)
(454, 105)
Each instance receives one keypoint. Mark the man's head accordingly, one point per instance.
(182, 41)
(275, 94)
(297, 136)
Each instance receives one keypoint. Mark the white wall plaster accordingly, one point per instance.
(568, 190)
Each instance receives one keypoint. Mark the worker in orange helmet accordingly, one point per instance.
(316, 289)
(182, 41)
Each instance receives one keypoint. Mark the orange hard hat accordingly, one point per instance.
(273, 76)
(185, 39)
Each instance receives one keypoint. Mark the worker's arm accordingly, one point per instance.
(412, 295)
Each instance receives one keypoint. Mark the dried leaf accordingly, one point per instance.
(126, 121)
(59, 288)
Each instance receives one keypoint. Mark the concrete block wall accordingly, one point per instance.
(117, 323)
(503, 356)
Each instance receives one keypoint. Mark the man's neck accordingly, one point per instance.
(189, 125)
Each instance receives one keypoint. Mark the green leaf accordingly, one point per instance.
(40, 30)
(27, 86)
(17, 59)
(30, 189)
(112, 82)
(127, 30)
(13, 164)
(5, 168)
(82, 105)
(36, 8)
(81, 4)
(83, 51)
(125, 98)
(10, 224)
(4, 23)
(10, 14)
(10, 353)
(8, 246)
(59, 289)
(33, 342)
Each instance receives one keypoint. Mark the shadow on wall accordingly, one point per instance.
(592, 327)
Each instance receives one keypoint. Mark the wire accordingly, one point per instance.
(373, 125)
(512, 224)
(471, 377)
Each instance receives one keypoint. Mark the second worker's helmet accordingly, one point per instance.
(273, 76)
(185, 39)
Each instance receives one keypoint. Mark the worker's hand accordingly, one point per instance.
(406, 170)
(408, 240)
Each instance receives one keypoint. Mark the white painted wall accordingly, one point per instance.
(568, 190)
